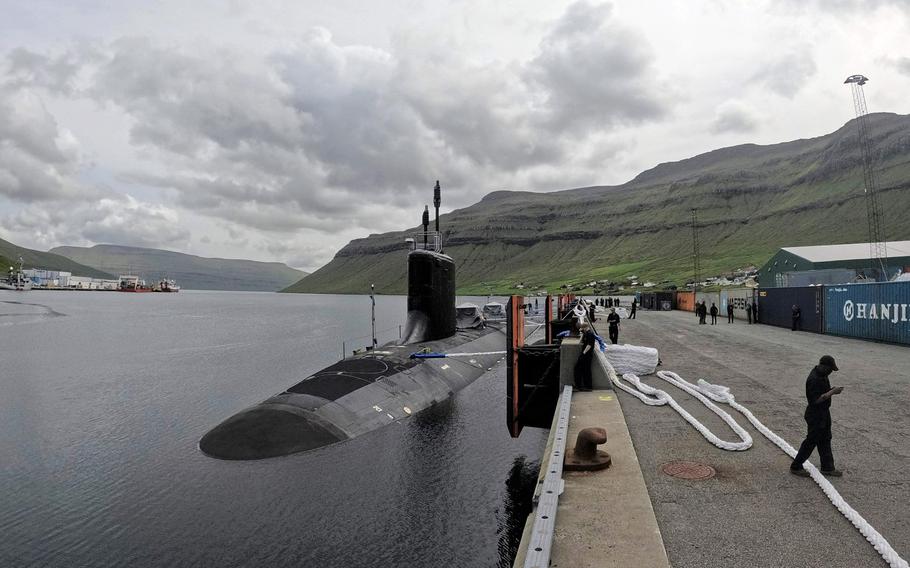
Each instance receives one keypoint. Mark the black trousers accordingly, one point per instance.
(749, 315)
(819, 436)
(713, 319)
(583, 371)
(614, 334)
(796, 325)
(729, 318)
(632, 315)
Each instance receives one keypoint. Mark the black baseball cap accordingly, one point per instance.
(828, 361)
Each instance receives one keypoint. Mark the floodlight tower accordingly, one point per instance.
(695, 251)
(878, 248)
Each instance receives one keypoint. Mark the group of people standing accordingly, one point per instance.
(606, 302)
(702, 311)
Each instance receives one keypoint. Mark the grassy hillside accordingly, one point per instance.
(751, 200)
(190, 271)
(9, 256)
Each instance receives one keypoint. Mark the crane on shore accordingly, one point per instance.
(878, 256)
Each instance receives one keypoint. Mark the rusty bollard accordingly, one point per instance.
(585, 456)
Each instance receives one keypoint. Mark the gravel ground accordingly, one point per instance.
(753, 512)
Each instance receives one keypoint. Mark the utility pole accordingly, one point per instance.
(878, 253)
(695, 251)
(373, 313)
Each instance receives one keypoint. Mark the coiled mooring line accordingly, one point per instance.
(719, 393)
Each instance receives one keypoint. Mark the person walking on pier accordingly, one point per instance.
(613, 320)
(818, 420)
(592, 310)
(702, 313)
(729, 312)
(632, 312)
(713, 313)
(797, 316)
(749, 311)
(583, 380)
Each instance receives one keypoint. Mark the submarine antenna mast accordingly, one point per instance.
(437, 201)
(426, 224)
(878, 249)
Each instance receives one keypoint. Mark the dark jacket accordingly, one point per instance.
(588, 338)
(613, 320)
(816, 385)
(729, 309)
(713, 310)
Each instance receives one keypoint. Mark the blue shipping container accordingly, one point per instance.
(879, 311)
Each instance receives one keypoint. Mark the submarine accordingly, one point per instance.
(378, 387)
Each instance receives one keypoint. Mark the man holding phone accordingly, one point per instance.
(818, 419)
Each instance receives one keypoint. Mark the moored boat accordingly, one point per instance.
(131, 283)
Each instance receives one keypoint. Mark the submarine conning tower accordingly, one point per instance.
(431, 284)
(431, 296)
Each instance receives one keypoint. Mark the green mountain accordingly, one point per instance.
(750, 201)
(10, 253)
(190, 271)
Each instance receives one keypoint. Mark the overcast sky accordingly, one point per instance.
(280, 130)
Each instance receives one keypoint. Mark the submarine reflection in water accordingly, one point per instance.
(373, 389)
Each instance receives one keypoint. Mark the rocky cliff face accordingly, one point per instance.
(751, 200)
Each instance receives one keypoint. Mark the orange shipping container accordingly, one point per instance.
(685, 301)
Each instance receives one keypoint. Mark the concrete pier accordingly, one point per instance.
(752, 512)
(604, 518)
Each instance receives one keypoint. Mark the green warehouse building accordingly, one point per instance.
(829, 264)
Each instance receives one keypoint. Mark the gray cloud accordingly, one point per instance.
(321, 136)
(902, 64)
(595, 73)
(38, 159)
(734, 116)
(117, 220)
(787, 74)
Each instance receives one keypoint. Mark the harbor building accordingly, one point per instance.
(829, 264)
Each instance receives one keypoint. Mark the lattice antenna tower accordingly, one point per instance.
(695, 251)
(878, 248)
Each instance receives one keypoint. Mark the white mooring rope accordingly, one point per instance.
(719, 393)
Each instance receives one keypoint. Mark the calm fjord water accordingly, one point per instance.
(104, 396)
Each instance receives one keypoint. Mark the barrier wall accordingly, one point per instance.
(648, 301)
(658, 300)
(708, 298)
(685, 301)
(775, 307)
(739, 297)
(879, 311)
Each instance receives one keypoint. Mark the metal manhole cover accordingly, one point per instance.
(688, 470)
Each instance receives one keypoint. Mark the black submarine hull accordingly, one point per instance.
(352, 397)
(368, 391)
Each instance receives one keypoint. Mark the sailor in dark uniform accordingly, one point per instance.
(613, 320)
(583, 379)
(818, 420)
